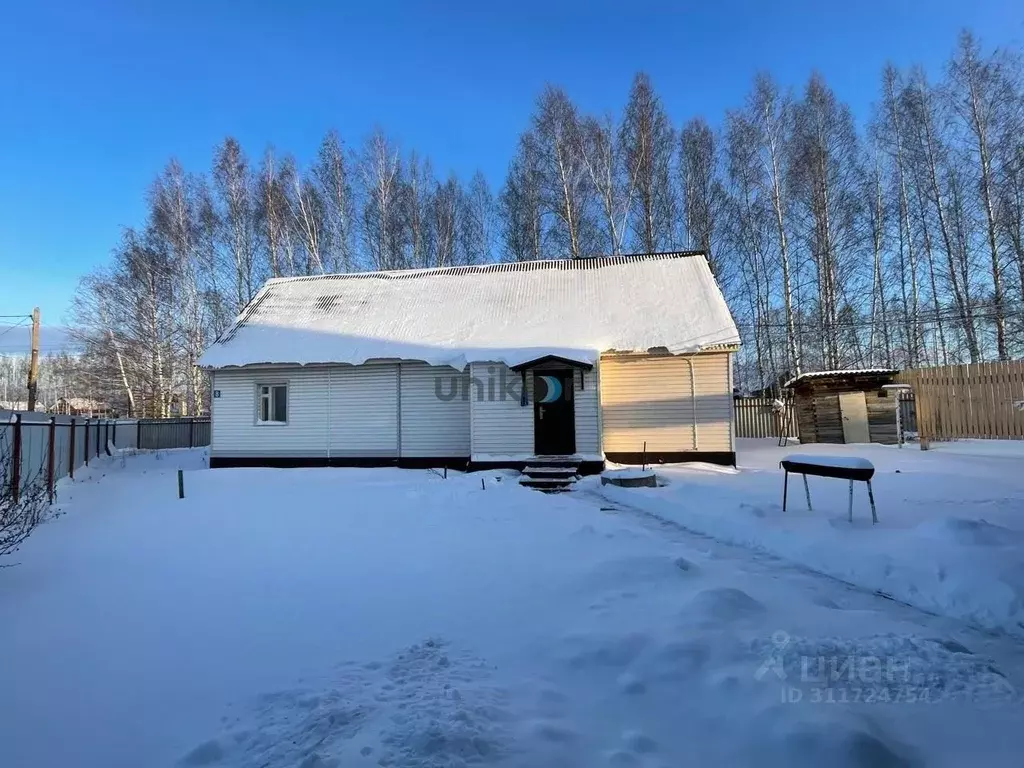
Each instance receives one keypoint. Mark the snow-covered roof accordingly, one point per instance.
(83, 403)
(510, 313)
(848, 372)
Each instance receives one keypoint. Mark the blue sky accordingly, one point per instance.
(95, 97)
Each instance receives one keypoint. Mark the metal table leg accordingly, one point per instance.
(785, 489)
(807, 490)
(871, 496)
(851, 501)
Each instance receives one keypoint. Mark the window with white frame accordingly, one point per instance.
(272, 404)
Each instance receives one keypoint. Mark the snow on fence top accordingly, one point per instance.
(848, 372)
(510, 313)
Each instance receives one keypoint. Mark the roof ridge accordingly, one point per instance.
(584, 262)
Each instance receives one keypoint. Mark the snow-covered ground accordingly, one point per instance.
(334, 617)
(950, 538)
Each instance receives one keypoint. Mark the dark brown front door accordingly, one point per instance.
(554, 416)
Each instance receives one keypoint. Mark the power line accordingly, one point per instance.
(13, 327)
(945, 316)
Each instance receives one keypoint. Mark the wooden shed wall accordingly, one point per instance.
(820, 420)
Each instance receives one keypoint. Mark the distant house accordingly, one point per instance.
(618, 358)
(81, 406)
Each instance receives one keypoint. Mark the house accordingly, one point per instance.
(81, 406)
(852, 406)
(623, 359)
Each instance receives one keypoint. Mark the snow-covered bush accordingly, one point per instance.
(20, 513)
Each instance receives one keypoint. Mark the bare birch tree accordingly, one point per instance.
(334, 179)
(648, 143)
(982, 95)
(477, 222)
(614, 190)
(702, 192)
(520, 205)
(772, 113)
(380, 169)
(566, 191)
(234, 186)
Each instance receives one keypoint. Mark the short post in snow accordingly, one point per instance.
(51, 456)
(71, 451)
(16, 460)
(645, 456)
(482, 486)
(181, 484)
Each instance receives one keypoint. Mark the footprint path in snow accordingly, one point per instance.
(427, 707)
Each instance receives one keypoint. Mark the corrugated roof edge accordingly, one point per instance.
(847, 372)
(586, 262)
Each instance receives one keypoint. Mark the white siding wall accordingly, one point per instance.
(649, 399)
(234, 431)
(500, 425)
(503, 427)
(588, 429)
(353, 411)
(432, 426)
(363, 410)
(332, 410)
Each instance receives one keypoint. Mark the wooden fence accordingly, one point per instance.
(755, 417)
(975, 400)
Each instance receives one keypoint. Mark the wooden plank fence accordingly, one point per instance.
(973, 400)
(755, 417)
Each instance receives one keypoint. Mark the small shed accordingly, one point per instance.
(845, 406)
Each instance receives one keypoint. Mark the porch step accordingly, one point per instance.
(551, 476)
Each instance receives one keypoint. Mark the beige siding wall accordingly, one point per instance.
(649, 398)
(714, 401)
(432, 426)
(234, 431)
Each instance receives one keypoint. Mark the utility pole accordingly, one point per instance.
(33, 367)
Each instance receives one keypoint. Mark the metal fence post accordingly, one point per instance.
(50, 469)
(71, 451)
(85, 443)
(191, 433)
(138, 434)
(113, 434)
(16, 461)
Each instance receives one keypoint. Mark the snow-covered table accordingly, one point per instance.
(842, 467)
